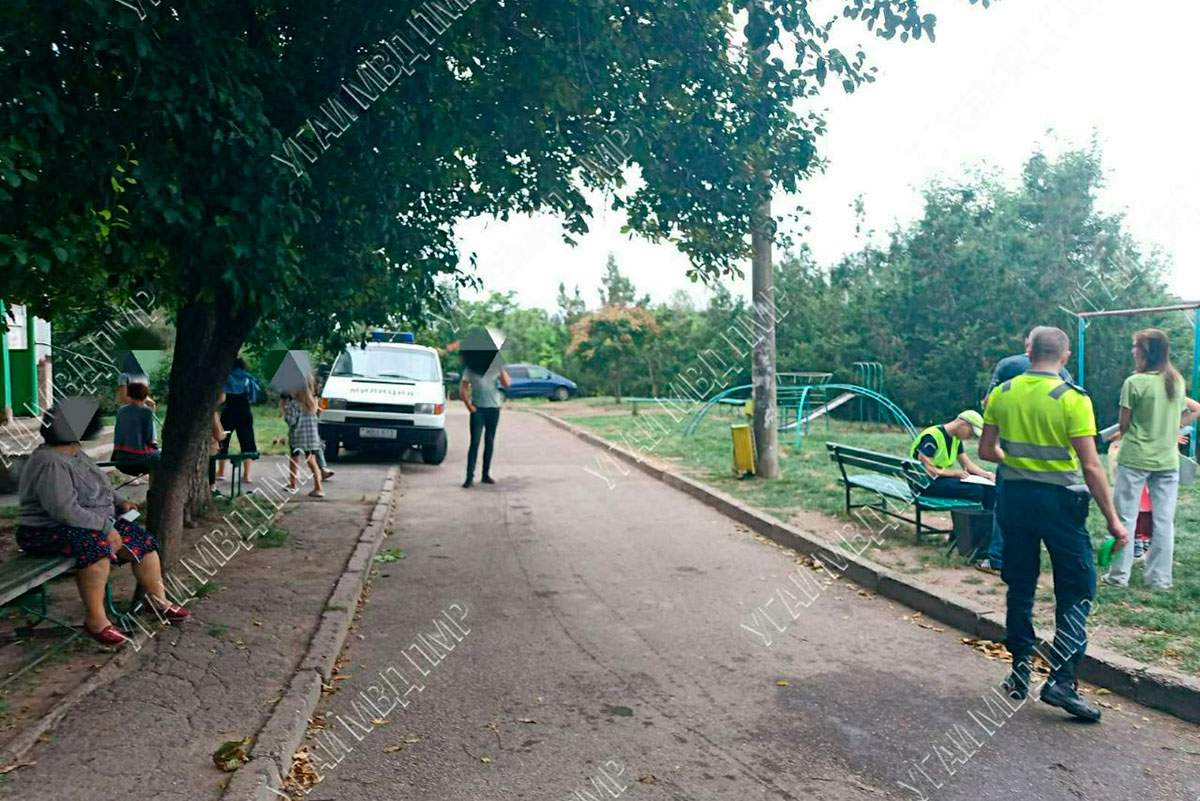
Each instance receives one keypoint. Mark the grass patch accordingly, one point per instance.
(8, 512)
(390, 555)
(217, 630)
(809, 479)
(273, 537)
(205, 589)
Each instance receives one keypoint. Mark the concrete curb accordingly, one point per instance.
(1158, 688)
(261, 778)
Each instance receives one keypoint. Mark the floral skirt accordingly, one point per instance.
(86, 545)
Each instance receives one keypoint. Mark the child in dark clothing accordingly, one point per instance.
(135, 440)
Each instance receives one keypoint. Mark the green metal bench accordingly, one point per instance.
(891, 477)
(23, 583)
(236, 460)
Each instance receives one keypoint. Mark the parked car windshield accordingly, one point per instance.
(410, 365)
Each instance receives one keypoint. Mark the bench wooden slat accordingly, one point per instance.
(19, 576)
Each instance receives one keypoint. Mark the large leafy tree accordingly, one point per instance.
(946, 297)
(614, 341)
(268, 166)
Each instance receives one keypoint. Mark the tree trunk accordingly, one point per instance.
(766, 434)
(208, 337)
(653, 379)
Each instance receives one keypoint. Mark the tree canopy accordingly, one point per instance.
(157, 144)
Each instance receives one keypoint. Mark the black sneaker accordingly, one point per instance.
(487, 480)
(1063, 696)
(470, 482)
(1017, 682)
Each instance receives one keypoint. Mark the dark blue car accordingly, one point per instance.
(532, 381)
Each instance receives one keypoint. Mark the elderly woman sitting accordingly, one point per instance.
(68, 508)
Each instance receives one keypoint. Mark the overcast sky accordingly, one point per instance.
(996, 84)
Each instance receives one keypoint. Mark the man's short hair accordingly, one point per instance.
(137, 391)
(1047, 343)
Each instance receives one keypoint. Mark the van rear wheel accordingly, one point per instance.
(331, 449)
(435, 452)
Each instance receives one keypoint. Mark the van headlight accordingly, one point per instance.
(333, 403)
(428, 408)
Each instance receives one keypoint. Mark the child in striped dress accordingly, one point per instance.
(304, 438)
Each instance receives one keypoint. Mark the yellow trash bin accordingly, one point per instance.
(743, 449)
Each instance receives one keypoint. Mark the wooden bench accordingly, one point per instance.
(891, 477)
(23, 583)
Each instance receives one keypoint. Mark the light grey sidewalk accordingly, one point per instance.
(151, 733)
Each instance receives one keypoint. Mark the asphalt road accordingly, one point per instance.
(605, 634)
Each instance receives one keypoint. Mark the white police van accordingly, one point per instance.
(387, 392)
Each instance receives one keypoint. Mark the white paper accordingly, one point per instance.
(987, 482)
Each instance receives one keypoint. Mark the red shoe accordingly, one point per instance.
(172, 612)
(107, 635)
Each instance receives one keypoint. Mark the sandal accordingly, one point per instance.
(316, 494)
(107, 635)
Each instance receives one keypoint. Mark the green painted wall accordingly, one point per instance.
(22, 375)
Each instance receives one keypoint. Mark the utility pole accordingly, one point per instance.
(762, 277)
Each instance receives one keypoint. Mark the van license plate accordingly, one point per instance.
(377, 433)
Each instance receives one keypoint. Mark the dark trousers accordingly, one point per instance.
(237, 418)
(1031, 513)
(948, 487)
(483, 421)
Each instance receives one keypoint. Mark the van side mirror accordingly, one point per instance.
(452, 377)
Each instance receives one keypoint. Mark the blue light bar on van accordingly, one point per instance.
(406, 337)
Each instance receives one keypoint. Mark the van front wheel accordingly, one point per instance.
(435, 453)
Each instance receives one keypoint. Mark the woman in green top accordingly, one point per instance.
(1154, 404)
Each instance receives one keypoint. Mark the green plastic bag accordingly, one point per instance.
(1104, 557)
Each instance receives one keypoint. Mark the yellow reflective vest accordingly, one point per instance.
(948, 447)
(1038, 415)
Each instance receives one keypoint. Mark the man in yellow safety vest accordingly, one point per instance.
(1041, 430)
(940, 451)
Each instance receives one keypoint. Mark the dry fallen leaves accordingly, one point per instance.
(4, 771)
(782, 683)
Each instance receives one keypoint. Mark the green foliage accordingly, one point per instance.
(390, 555)
(275, 536)
(615, 288)
(140, 153)
(613, 340)
(950, 295)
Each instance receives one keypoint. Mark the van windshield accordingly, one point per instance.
(397, 363)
